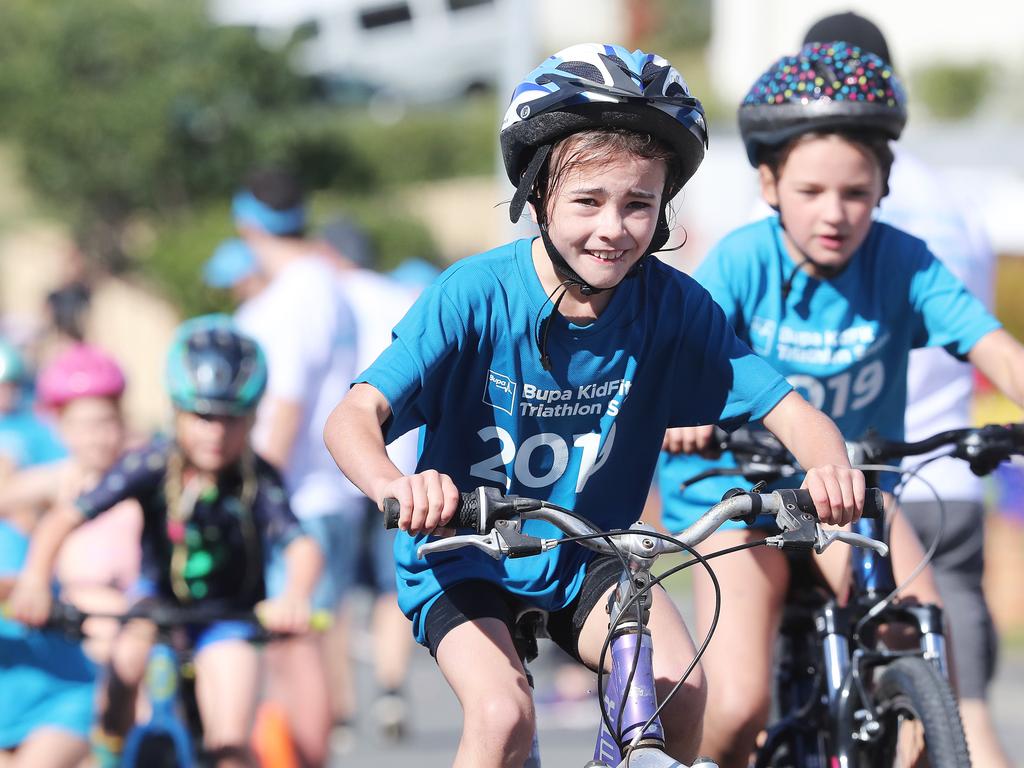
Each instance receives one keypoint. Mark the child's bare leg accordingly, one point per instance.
(51, 747)
(128, 660)
(227, 681)
(481, 665)
(738, 662)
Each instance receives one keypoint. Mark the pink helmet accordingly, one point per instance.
(81, 371)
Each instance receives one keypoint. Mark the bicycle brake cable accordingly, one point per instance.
(929, 554)
(656, 580)
(607, 536)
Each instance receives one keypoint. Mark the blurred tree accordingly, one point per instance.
(676, 25)
(953, 91)
(123, 107)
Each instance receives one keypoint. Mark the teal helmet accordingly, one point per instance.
(12, 364)
(213, 369)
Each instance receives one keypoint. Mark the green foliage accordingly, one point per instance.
(442, 142)
(682, 25)
(136, 116)
(952, 91)
(122, 106)
(1009, 288)
(173, 261)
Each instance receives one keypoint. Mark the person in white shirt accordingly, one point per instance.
(378, 303)
(295, 309)
(939, 391)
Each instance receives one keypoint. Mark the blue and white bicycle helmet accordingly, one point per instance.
(592, 86)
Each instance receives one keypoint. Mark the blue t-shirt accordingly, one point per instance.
(465, 363)
(843, 343)
(47, 679)
(26, 440)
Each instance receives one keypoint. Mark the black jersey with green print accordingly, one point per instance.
(214, 546)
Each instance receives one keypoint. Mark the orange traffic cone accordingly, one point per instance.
(271, 738)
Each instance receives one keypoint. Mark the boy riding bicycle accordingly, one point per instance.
(566, 403)
(835, 301)
(212, 509)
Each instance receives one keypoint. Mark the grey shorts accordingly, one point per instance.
(958, 566)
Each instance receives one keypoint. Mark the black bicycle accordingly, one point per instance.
(843, 699)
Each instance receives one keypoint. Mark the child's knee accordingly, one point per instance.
(738, 710)
(130, 653)
(508, 718)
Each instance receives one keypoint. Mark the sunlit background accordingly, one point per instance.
(125, 125)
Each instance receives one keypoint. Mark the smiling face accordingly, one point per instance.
(602, 212)
(825, 191)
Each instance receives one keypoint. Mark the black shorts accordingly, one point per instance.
(478, 599)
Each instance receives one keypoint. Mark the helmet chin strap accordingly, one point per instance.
(570, 277)
(805, 258)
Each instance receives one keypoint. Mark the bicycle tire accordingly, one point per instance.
(911, 688)
(157, 750)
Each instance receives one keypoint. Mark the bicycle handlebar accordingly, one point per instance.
(763, 457)
(68, 619)
(496, 520)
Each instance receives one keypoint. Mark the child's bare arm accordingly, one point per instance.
(34, 488)
(1001, 358)
(815, 441)
(30, 601)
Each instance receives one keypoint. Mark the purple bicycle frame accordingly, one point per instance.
(638, 704)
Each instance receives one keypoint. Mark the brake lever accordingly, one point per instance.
(827, 537)
(486, 542)
(506, 539)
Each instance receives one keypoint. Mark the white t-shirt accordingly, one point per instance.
(307, 331)
(378, 303)
(939, 387)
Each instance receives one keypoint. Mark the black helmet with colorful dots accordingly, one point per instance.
(826, 86)
(590, 86)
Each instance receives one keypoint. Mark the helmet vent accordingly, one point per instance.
(582, 69)
(649, 71)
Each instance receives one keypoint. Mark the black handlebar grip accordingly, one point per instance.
(874, 506)
(392, 511)
(466, 516)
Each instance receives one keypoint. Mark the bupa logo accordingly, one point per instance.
(500, 392)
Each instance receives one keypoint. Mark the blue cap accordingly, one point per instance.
(415, 272)
(231, 263)
(250, 211)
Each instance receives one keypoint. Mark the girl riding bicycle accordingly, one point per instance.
(835, 301)
(211, 510)
(565, 402)
(82, 387)
(55, 682)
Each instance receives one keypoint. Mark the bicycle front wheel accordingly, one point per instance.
(919, 718)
